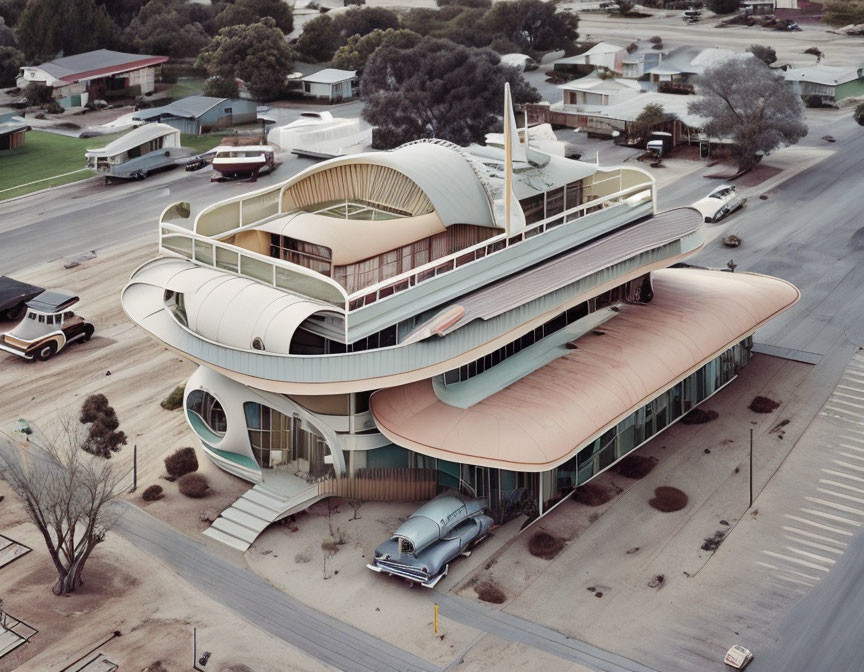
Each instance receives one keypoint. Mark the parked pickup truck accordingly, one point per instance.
(13, 298)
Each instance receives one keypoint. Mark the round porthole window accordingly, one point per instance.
(257, 343)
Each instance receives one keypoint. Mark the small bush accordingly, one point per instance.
(489, 591)
(763, 405)
(656, 39)
(54, 108)
(544, 545)
(635, 466)
(174, 400)
(193, 485)
(592, 494)
(152, 493)
(668, 499)
(181, 462)
(713, 542)
(699, 417)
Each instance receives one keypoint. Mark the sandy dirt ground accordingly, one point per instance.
(154, 610)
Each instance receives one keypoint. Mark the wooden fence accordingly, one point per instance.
(386, 485)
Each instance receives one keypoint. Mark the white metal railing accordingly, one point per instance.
(274, 272)
(442, 265)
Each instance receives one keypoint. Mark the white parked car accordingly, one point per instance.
(738, 657)
(722, 201)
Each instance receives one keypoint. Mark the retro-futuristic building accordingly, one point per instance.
(502, 321)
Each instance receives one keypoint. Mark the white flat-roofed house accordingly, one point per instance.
(331, 84)
(593, 93)
(83, 77)
(492, 319)
(830, 84)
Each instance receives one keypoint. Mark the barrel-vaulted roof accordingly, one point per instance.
(540, 421)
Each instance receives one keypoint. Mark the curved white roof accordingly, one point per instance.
(138, 136)
(443, 173)
(233, 310)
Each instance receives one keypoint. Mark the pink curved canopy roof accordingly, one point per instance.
(542, 419)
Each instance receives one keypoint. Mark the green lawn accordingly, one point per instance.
(186, 86)
(46, 158)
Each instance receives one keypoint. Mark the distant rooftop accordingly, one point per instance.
(94, 63)
(330, 76)
(825, 74)
(190, 107)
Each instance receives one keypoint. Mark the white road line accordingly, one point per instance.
(840, 495)
(859, 449)
(813, 535)
(836, 400)
(847, 465)
(838, 414)
(813, 544)
(833, 505)
(825, 481)
(796, 561)
(850, 456)
(821, 526)
(842, 475)
(852, 438)
(847, 395)
(831, 516)
(813, 556)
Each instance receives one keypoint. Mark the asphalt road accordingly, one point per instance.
(328, 639)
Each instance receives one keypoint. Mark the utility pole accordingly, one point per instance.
(134, 467)
(751, 468)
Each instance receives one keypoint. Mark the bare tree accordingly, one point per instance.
(747, 103)
(65, 493)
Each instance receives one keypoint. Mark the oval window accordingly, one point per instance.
(257, 344)
(208, 409)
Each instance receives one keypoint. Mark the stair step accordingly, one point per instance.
(227, 539)
(233, 514)
(265, 500)
(255, 509)
(236, 529)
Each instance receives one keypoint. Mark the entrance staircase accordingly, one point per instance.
(240, 524)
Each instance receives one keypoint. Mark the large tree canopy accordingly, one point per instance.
(47, 28)
(437, 89)
(533, 24)
(356, 53)
(362, 21)
(257, 54)
(746, 102)
(252, 11)
(11, 61)
(318, 40)
(170, 28)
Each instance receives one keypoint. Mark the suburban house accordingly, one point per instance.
(78, 79)
(829, 83)
(493, 320)
(635, 64)
(330, 84)
(198, 114)
(589, 93)
(12, 129)
(602, 56)
(677, 70)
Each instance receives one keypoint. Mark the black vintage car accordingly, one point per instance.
(14, 296)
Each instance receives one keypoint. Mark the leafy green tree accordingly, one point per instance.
(49, 27)
(355, 54)
(252, 11)
(11, 10)
(257, 54)
(221, 87)
(745, 101)
(122, 11)
(722, 6)
(437, 89)
(362, 21)
(533, 24)
(624, 7)
(11, 61)
(653, 114)
(7, 35)
(764, 53)
(319, 39)
(170, 28)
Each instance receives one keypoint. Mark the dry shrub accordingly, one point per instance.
(763, 405)
(489, 591)
(635, 466)
(699, 417)
(713, 542)
(193, 485)
(181, 462)
(152, 493)
(592, 494)
(155, 667)
(174, 400)
(544, 545)
(668, 499)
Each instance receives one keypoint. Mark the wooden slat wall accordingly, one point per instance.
(384, 485)
(361, 182)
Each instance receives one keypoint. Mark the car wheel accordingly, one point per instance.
(46, 352)
(88, 332)
(13, 314)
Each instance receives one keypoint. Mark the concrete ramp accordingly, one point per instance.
(240, 524)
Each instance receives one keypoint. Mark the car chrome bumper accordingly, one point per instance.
(15, 351)
(431, 582)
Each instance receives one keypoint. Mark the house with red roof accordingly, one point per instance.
(83, 77)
